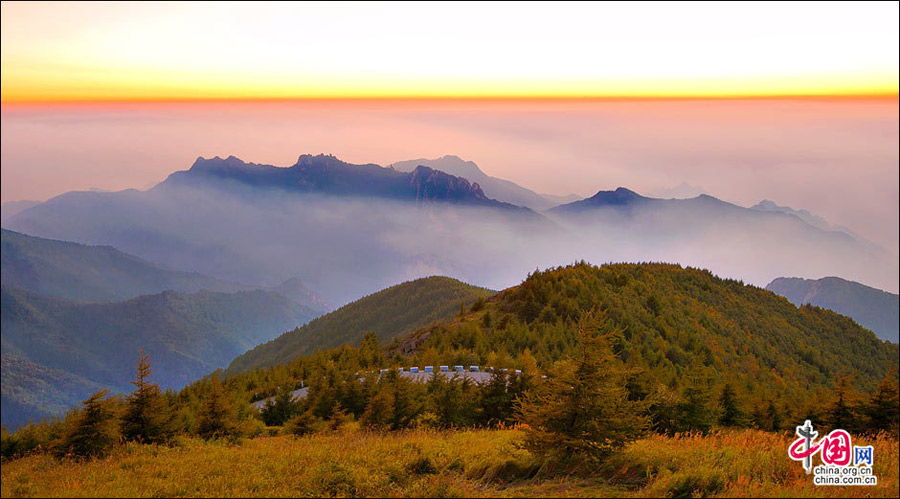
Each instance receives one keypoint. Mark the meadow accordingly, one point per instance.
(432, 463)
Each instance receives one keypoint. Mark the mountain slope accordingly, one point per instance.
(90, 344)
(91, 273)
(674, 321)
(806, 216)
(31, 391)
(872, 308)
(496, 188)
(390, 312)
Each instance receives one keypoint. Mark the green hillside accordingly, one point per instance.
(91, 273)
(686, 334)
(31, 391)
(391, 312)
(677, 323)
(73, 347)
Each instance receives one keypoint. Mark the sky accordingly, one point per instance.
(184, 50)
(560, 98)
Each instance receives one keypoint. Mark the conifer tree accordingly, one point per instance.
(276, 412)
(731, 413)
(695, 410)
(583, 410)
(379, 414)
(774, 416)
(370, 352)
(842, 412)
(883, 407)
(93, 431)
(147, 416)
(216, 418)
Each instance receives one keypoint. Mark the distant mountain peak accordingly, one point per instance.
(317, 159)
(434, 184)
(620, 196)
(327, 174)
(806, 216)
(217, 162)
(494, 188)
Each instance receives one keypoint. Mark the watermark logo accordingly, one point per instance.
(842, 462)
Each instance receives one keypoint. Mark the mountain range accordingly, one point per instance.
(75, 316)
(326, 174)
(707, 231)
(349, 230)
(872, 308)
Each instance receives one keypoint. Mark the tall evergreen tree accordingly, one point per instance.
(842, 412)
(695, 411)
(147, 416)
(276, 412)
(379, 414)
(883, 407)
(731, 413)
(216, 418)
(773, 416)
(583, 410)
(93, 433)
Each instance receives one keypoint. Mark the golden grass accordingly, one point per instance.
(474, 463)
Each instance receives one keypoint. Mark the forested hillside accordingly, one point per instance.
(630, 348)
(391, 312)
(57, 351)
(690, 340)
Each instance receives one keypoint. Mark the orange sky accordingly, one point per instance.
(88, 52)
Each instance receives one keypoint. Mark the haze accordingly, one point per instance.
(837, 158)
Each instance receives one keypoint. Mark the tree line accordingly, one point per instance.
(591, 404)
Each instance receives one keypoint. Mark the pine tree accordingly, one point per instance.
(370, 351)
(407, 401)
(147, 416)
(731, 414)
(695, 411)
(583, 410)
(883, 407)
(379, 414)
(93, 431)
(773, 416)
(301, 424)
(216, 418)
(496, 402)
(276, 412)
(842, 412)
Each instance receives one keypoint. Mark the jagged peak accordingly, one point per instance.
(306, 159)
(215, 161)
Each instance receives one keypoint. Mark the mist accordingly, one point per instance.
(344, 248)
(836, 158)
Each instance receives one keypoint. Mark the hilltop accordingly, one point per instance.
(683, 332)
(675, 322)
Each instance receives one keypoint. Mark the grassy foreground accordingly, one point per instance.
(438, 464)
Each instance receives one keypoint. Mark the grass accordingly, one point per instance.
(476, 463)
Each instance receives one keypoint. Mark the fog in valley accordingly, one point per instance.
(345, 247)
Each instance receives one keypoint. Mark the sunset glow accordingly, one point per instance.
(55, 52)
